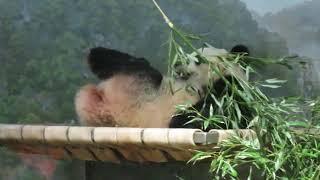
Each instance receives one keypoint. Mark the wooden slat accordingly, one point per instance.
(216, 136)
(80, 136)
(10, 133)
(32, 134)
(56, 135)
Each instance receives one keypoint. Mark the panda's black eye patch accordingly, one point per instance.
(199, 60)
(177, 64)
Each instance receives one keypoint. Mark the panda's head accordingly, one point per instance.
(209, 67)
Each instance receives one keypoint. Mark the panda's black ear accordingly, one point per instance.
(240, 48)
(105, 63)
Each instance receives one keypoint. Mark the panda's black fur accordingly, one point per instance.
(147, 91)
(105, 63)
(240, 48)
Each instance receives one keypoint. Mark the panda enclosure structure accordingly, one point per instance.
(114, 148)
(115, 145)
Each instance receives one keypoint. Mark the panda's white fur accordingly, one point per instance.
(119, 101)
(123, 100)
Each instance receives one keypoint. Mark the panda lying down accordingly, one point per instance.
(131, 93)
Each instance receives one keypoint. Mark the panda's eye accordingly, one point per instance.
(198, 61)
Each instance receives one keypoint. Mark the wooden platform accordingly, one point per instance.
(112, 144)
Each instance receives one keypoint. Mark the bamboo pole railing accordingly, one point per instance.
(111, 143)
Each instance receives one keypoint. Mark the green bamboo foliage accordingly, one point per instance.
(278, 152)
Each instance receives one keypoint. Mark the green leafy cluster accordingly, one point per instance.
(280, 150)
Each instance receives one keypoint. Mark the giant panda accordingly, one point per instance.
(131, 93)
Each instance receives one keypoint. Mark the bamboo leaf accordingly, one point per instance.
(270, 86)
(275, 81)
